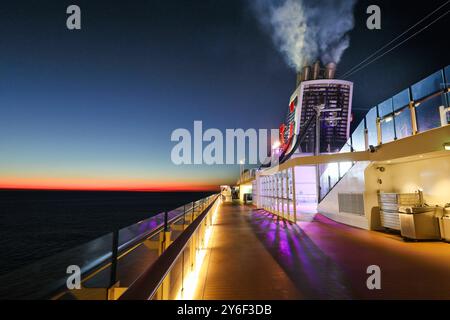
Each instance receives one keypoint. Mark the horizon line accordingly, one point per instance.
(112, 189)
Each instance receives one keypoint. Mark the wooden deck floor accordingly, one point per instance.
(253, 255)
(238, 266)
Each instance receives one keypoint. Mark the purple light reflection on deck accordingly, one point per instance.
(313, 272)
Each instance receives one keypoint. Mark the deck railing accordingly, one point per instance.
(292, 193)
(420, 107)
(174, 274)
(106, 265)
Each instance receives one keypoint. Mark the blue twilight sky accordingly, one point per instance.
(96, 107)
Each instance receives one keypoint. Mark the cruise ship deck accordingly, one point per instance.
(253, 254)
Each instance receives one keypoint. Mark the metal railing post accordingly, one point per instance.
(412, 110)
(114, 255)
(166, 226)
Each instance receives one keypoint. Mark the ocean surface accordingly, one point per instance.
(38, 224)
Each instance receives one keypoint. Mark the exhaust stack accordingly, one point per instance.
(306, 73)
(316, 70)
(330, 70)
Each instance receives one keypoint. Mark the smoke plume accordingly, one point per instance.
(306, 30)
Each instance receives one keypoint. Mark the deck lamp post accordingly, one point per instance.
(241, 169)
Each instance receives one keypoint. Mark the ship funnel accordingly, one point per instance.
(316, 70)
(330, 70)
(306, 73)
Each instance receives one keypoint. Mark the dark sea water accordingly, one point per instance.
(37, 224)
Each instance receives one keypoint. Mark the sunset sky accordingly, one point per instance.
(95, 109)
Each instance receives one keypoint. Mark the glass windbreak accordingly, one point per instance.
(50, 274)
(447, 76)
(371, 123)
(428, 86)
(358, 139)
(325, 183)
(333, 173)
(403, 125)
(345, 166)
(138, 248)
(385, 108)
(401, 100)
(387, 129)
(448, 106)
(139, 230)
(427, 113)
(385, 112)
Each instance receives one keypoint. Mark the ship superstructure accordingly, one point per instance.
(323, 102)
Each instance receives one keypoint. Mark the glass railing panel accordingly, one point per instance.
(135, 262)
(50, 274)
(175, 213)
(333, 173)
(385, 108)
(371, 123)
(428, 86)
(387, 129)
(385, 112)
(401, 100)
(94, 260)
(323, 180)
(324, 186)
(403, 126)
(427, 113)
(448, 106)
(329, 178)
(345, 166)
(139, 230)
(447, 76)
(175, 279)
(358, 138)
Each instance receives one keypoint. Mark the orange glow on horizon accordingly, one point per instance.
(101, 185)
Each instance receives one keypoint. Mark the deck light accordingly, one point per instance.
(190, 283)
(447, 146)
(276, 145)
